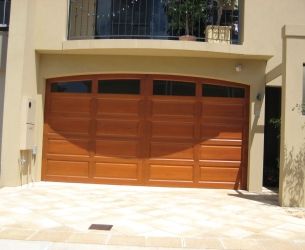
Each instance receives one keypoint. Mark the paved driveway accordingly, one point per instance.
(147, 217)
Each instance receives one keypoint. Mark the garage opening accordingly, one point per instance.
(146, 130)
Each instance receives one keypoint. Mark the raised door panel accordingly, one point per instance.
(63, 125)
(211, 174)
(70, 105)
(117, 148)
(118, 128)
(175, 173)
(118, 107)
(172, 130)
(171, 151)
(67, 168)
(223, 110)
(73, 147)
(173, 108)
(116, 171)
(220, 153)
(224, 132)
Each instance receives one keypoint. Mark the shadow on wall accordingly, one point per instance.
(294, 172)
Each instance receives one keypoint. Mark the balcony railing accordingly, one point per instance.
(200, 20)
(5, 6)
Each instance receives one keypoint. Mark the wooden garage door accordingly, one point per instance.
(146, 130)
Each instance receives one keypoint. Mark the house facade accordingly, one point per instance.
(114, 92)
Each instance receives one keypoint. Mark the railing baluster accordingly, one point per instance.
(152, 21)
(126, 12)
(132, 2)
(112, 16)
(139, 17)
(119, 15)
(146, 16)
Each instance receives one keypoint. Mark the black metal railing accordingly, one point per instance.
(5, 7)
(200, 20)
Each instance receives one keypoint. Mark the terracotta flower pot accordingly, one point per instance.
(187, 38)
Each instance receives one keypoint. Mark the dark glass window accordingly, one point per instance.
(174, 88)
(5, 6)
(210, 90)
(72, 87)
(130, 86)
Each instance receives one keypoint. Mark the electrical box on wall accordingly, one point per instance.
(28, 117)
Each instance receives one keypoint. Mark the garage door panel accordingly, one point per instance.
(117, 148)
(116, 171)
(70, 105)
(223, 110)
(222, 153)
(69, 125)
(172, 130)
(69, 147)
(221, 121)
(171, 151)
(221, 132)
(122, 107)
(173, 108)
(118, 128)
(219, 174)
(170, 173)
(67, 168)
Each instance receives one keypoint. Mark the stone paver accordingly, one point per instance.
(145, 217)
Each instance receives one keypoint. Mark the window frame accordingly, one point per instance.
(231, 88)
(71, 82)
(173, 81)
(119, 79)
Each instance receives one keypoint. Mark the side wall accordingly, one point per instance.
(3, 52)
(20, 81)
(292, 171)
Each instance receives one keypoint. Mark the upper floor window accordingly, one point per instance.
(5, 6)
(203, 20)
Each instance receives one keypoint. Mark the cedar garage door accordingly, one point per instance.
(146, 130)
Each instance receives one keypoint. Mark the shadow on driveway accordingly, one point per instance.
(271, 198)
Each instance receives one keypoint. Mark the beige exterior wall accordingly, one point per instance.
(292, 189)
(3, 52)
(38, 49)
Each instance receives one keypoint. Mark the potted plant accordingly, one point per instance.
(185, 15)
(217, 33)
